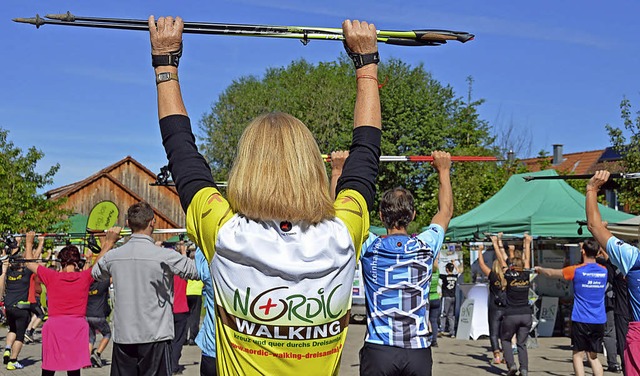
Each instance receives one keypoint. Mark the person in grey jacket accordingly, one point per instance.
(142, 275)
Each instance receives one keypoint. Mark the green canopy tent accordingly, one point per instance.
(544, 208)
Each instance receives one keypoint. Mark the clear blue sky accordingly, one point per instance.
(86, 97)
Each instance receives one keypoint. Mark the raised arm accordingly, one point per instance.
(4, 265)
(337, 163)
(38, 252)
(361, 167)
(188, 167)
(110, 239)
(28, 251)
(595, 225)
(442, 164)
(499, 249)
(483, 266)
(526, 250)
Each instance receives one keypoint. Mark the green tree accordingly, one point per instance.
(419, 115)
(21, 207)
(629, 148)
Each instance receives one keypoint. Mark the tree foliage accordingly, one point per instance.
(21, 207)
(419, 115)
(629, 148)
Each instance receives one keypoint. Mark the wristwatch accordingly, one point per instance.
(166, 76)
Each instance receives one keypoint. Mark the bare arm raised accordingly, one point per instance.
(594, 220)
(483, 266)
(442, 164)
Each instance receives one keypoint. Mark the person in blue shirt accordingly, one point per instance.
(397, 270)
(206, 338)
(627, 259)
(588, 315)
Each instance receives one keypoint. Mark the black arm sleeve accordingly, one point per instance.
(188, 167)
(361, 167)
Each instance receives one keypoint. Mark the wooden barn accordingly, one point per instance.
(125, 183)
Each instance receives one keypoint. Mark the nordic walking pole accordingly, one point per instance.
(427, 37)
(425, 158)
(631, 175)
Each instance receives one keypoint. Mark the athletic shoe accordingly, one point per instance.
(6, 356)
(497, 360)
(28, 338)
(524, 372)
(513, 370)
(11, 366)
(614, 368)
(96, 360)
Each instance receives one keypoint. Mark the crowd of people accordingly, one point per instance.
(276, 264)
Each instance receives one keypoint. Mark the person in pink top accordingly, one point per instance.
(66, 333)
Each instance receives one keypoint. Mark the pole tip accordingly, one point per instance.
(32, 21)
(527, 178)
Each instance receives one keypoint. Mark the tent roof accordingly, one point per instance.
(628, 230)
(545, 208)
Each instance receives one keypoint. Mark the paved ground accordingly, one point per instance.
(452, 357)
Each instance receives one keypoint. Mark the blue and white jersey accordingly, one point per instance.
(397, 276)
(627, 258)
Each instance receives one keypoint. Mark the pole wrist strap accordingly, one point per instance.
(360, 60)
(171, 59)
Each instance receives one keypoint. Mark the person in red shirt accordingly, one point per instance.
(66, 333)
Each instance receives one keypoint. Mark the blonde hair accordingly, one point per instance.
(497, 268)
(278, 172)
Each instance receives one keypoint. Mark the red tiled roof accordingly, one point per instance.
(572, 163)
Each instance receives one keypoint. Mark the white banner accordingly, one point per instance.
(548, 314)
(465, 320)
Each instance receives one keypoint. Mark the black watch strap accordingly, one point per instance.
(360, 60)
(171, 59)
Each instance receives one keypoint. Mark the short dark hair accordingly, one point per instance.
(139, 216)
(449, 267)
(396, 208)
(69, 255)
(591, 248)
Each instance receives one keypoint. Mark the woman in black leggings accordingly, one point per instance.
(517, 316)
(14, 281)
(497, 298)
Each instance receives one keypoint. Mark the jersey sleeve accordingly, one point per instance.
(367, 243)
(351, 208)
(207, 210)
(45, 274)
(433, 236)
(361, 167)
(622, 255)
(188, 167)
(569, 272)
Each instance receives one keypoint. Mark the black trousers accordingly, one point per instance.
(520, 325)
(179, 337)
(18, 320)
(208, 366)
(143, 359)
(495, 323)
(46, 372)
(622, 327)
(195, 307)
(378, 360)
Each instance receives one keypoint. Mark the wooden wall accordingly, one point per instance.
(164, 199)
